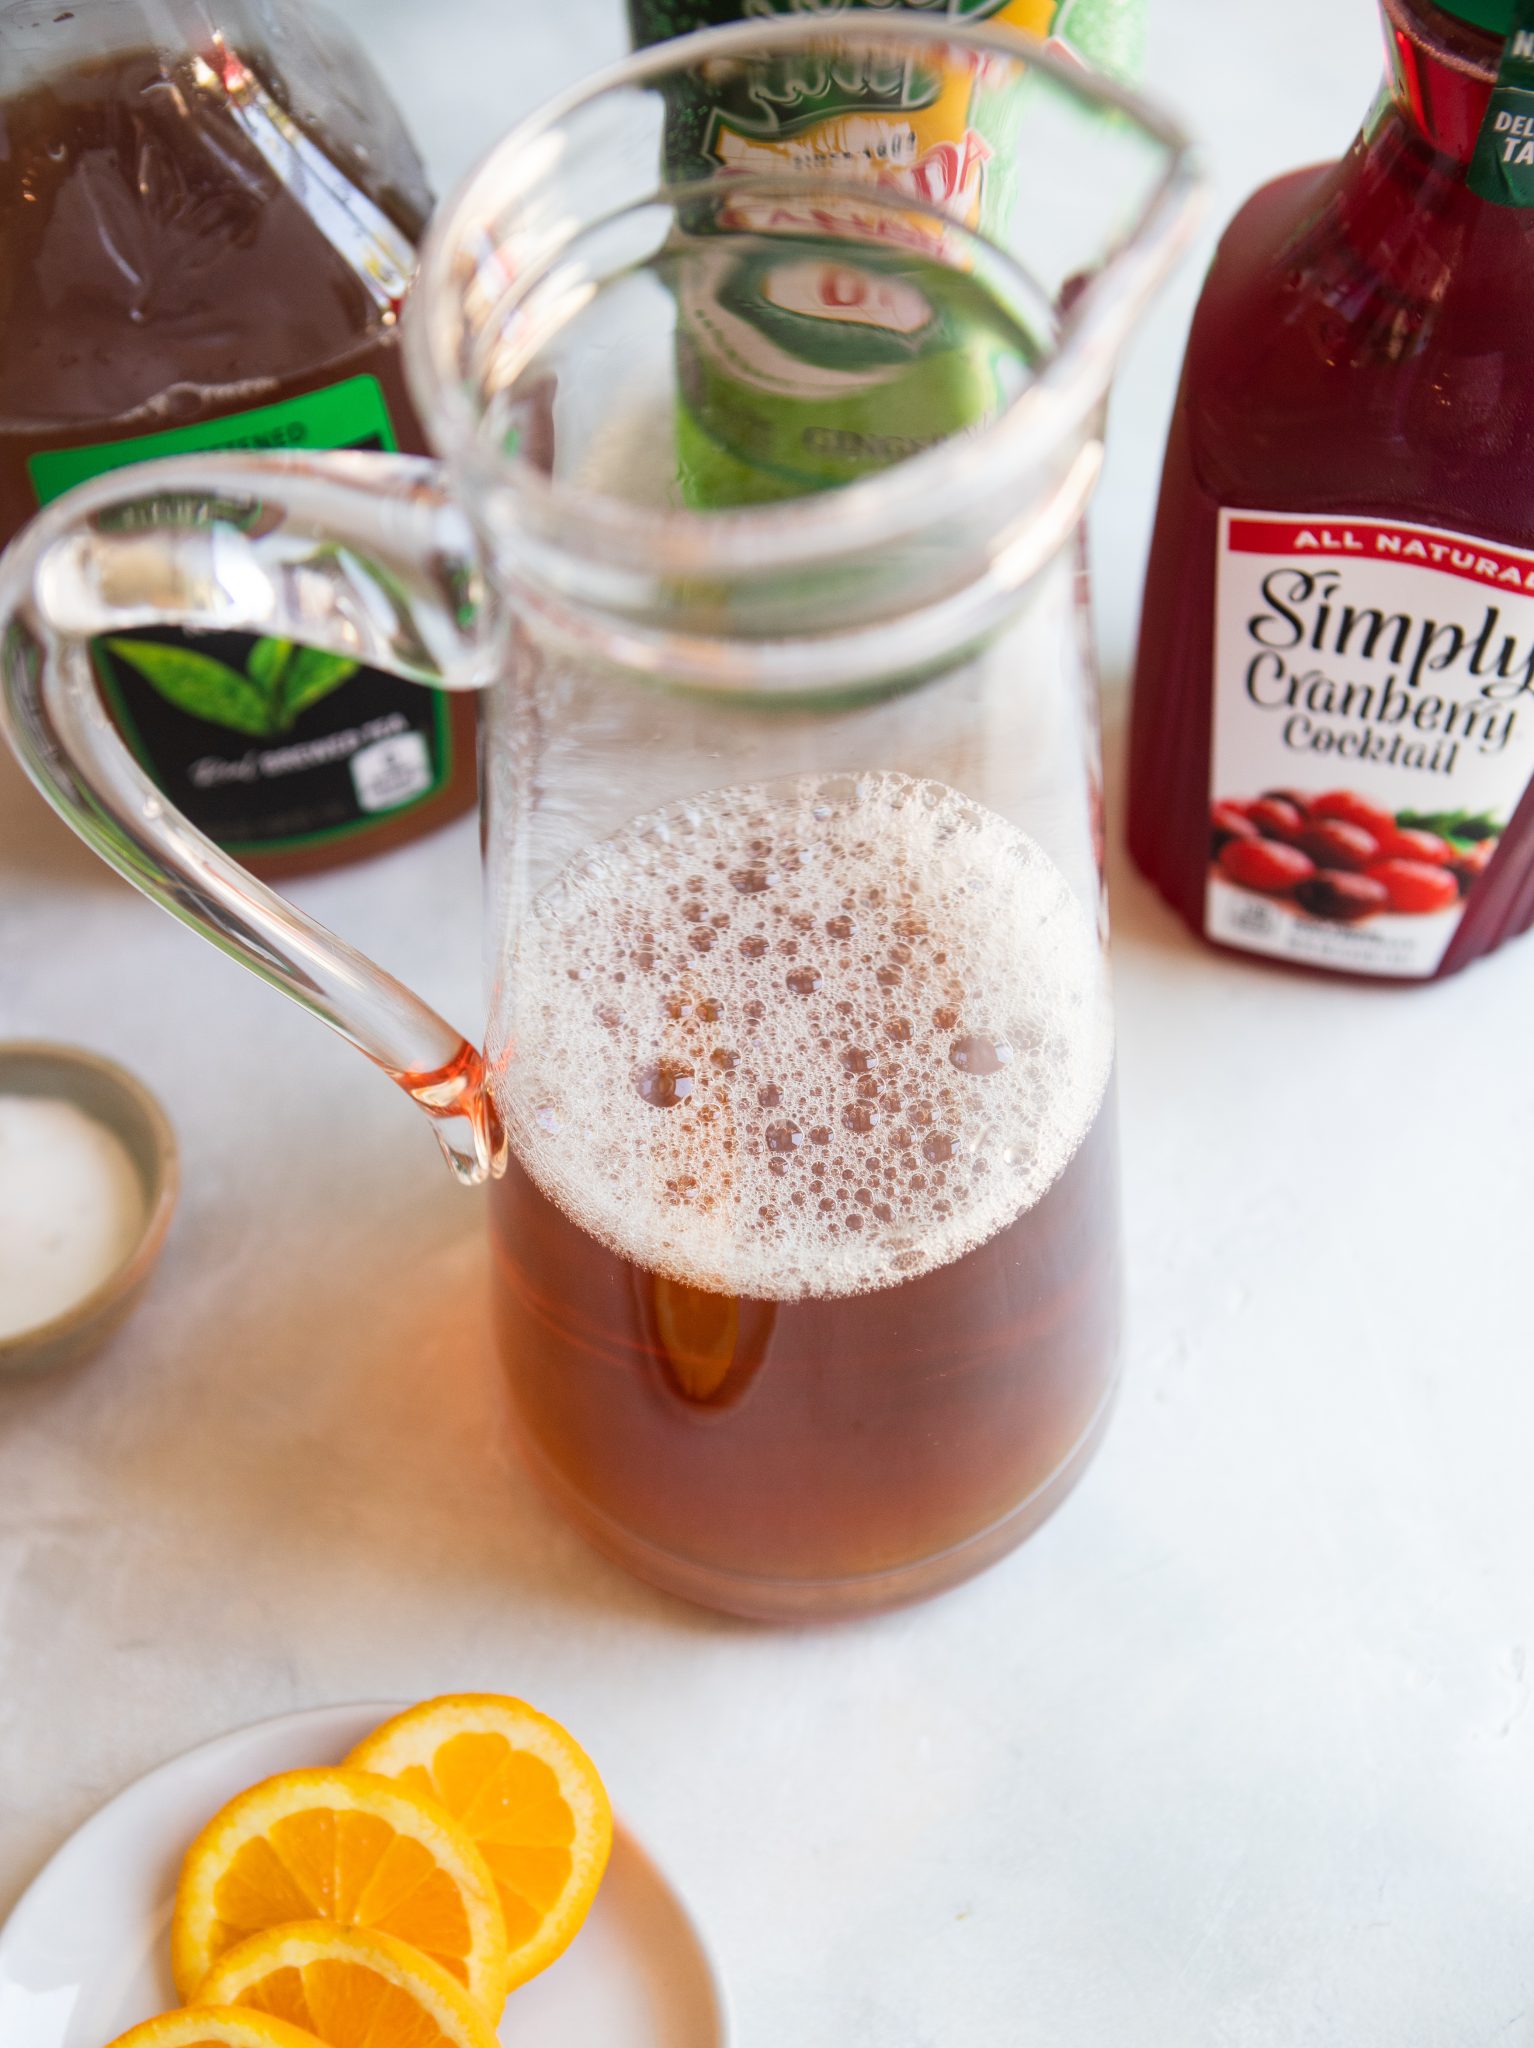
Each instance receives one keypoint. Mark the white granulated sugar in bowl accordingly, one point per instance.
(71, 1209)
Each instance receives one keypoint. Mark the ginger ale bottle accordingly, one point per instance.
(807, 356)
(1107, 33)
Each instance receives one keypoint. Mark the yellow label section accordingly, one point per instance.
(932, 152)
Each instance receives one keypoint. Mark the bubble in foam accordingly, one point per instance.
(979, 1055)
(753, 880)
(663, 1084)
(927, 1083)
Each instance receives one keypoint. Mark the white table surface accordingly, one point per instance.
(1238, 1751)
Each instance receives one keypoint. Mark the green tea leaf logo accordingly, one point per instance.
(197, 683)
(278, 682)
(266, 661)
(312, 675)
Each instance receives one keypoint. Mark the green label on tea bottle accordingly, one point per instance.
(1503, 167)
(264, 745)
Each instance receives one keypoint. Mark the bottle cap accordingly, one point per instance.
(1495, 15)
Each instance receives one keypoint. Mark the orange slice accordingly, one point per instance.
(350, 1988)
(340, 1845)
(526, 1792)
(217, 2026)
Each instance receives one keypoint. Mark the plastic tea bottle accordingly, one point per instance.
(801, 365)
(208, 217)
(1333, 734)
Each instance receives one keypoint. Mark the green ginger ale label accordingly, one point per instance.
(1107, 33)
(821, 340)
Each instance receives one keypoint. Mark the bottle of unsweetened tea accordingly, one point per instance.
(208, 217)
(1333, 734)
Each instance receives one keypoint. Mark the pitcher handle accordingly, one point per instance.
(362, 555)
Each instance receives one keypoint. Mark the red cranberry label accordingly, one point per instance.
(1373, 734)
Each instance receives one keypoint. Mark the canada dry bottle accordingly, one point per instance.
(1107, 33)
(798, 370)
(208, 218)
(1333, 730)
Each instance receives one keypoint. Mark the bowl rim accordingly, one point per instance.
(160, 1194)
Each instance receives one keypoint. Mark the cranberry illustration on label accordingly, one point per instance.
(1348, 809)
(1335, 844)
(1276, 817)
(1295, 798)
(1337, 858)
(1342, 898)
(1415, 888)
(1406, 842)
(1229, 821)
(1266, 865)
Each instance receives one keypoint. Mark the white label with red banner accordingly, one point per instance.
(1373, 734)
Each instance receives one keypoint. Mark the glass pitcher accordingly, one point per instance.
(756, 521)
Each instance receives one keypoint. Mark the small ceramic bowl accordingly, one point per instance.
(105, 1091)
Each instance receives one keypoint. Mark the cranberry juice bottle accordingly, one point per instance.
(1333, 728)
(208, 217)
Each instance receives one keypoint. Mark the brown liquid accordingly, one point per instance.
(806, 1256)
(754, 1454)
(155, 273)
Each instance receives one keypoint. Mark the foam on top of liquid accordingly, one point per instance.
(808, 1038)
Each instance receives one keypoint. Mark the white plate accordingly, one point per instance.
(84, 1954)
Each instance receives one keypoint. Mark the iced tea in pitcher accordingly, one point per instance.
(806, 1261)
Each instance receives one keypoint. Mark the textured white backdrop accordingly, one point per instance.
(1237, 1752)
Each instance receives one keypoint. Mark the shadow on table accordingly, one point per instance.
(1142, 919)
(320, 1471)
